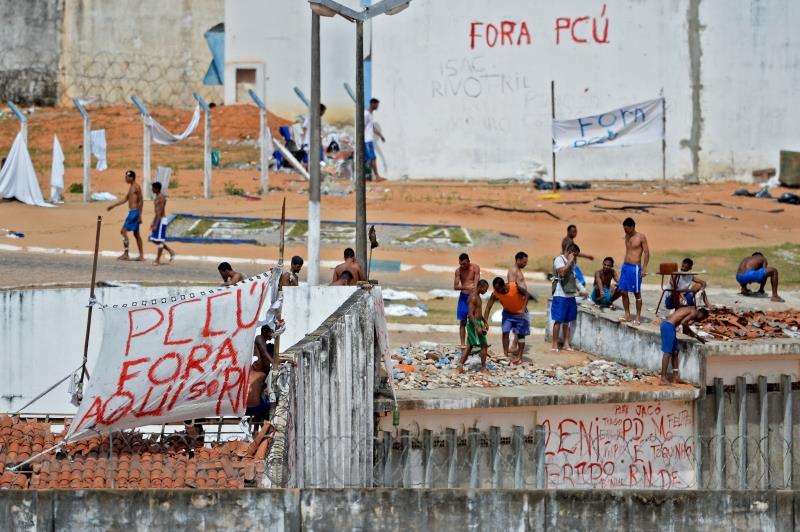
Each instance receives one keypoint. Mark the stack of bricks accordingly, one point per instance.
(727, 324)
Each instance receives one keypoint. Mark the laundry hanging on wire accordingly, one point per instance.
(162, 136)
(99, 148)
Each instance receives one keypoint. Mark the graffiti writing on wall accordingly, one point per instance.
(635, 445)
(471, 77)
(581, 29)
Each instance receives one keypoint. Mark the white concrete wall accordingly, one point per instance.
(42, 334)
(456, 107)
(306, 307)
(277, 34)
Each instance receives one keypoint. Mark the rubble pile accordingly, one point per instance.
(727, 324)
(428, 366)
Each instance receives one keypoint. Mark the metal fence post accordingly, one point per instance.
(206, 145)
(263, 141)
(87, 149)
(146, 144)
(23, 120)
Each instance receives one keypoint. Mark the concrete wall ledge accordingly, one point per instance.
(398, 509)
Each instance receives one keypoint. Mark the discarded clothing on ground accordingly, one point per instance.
(788, 197)
(404, 310)
(541, 184)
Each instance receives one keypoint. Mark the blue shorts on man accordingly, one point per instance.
(462, 309)
(669, 338)
(602, 298)
(752, 276)
(369, 151)
(159, 236)
(519, 324)
(131, 222)
(579, 275)
(563, 309)
(630, 278)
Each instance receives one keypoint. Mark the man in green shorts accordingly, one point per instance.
(476, 328)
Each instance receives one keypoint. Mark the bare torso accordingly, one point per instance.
(515, 275)
(135, 198)
(351, 266)
(752, 263)
(680, 315)
(634, 247)
(160, 205)
(467, 278)
(605, 278)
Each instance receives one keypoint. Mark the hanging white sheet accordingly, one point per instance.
(639, 123)
(162, 136)
(57, 172)
(99, 147)
(18, 178)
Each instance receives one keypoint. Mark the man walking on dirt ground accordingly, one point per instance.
(135, 202)
(476, 327)
(158, 229)
(637, 256)
(351, 265)
(466, 279)
(369, 139)
(516, 275)
(755, 269)
(669, 339)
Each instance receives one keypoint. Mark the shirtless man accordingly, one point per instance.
(515, 315)
(351, 265)
(229, 276)
(637, 256)
(158, 229)
(465, 280)
(602, 294)
(291, 278)
(515, 275)
(669, 338)
(135, 202)
(755, 269)
(476, 327)
(572, 234)
(257, 402)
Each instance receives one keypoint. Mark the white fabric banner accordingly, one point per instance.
(174, 358)
(18, 178)
(57, 172)
(639, 123)
(99, 147)
(162, 136)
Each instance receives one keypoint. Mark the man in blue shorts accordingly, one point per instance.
(563, 307)
(514, 299)
(466, 279)
(684, 316)
(637, 256)
(135, 202)
(369, 138)
(755, 269)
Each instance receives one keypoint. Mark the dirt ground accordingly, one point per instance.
(688, 224)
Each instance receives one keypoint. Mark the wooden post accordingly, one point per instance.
(553, 114)
(91, 302)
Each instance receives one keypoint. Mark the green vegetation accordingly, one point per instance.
(232, 190)
(75, 188)
(173, 184)
(201, 227)
(259, 224)
(456, 235)
(298, 230)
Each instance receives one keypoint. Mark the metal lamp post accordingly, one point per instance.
(329, 8)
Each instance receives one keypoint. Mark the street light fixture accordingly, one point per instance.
(329, 8)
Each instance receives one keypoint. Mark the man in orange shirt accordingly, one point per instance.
(514, 299)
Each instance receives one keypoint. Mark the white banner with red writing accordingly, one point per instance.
(639, 123)
(174, 358)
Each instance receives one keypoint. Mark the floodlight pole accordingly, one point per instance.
(313, 158)
(263, 140)
(361, 185)
(23, 120)
(87, 149)
(206, 145)
(147, 141)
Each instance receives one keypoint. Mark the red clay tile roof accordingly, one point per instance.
(727, 324)
(136, 461)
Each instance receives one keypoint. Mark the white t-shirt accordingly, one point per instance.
(560, 262)
(369, 127)
(307, 131)
(684, 282)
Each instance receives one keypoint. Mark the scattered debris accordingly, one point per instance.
(397, 295)
(102, 196)
(427, 366)
(510, 209)
(726, 324)
(715, 215)
(788, 197)
(638, 208)
(404, 310)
